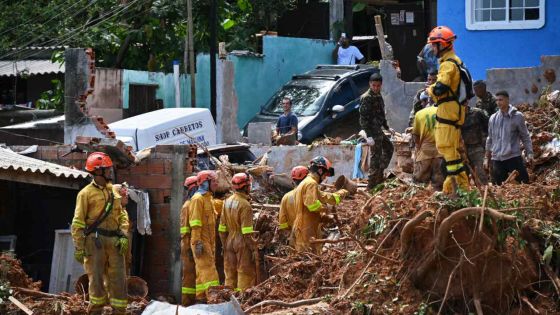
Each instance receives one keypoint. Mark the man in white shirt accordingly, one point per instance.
(345, 54)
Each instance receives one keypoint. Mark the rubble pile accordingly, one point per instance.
(408, 257)
(28, 293)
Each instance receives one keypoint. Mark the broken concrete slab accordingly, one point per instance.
(260, 133)
(398, 96)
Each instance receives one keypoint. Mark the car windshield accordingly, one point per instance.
(307, 97)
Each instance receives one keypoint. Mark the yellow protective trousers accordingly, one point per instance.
(448, 141)
(188, 281)
(102, 261)
(239, 264)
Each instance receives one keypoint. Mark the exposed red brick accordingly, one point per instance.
(158, 195)
(156, 166)
(151, 181)
(160, 212)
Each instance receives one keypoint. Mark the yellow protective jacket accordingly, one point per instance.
(287, 214)
(185, 227)
(449, 76)
(202, 219)
(218, 206)
(90, 204)
(237, 216)
(309, 204)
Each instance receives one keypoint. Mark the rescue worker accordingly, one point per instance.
(372, 120)
(120, 192)
(236, 229)
(202, 221)
(421, 100)
(99, 230)
(309, 202)
(485, 100)
(450, 114)
(474, 133)
(188, 286)
(287, 214)
(427, 160)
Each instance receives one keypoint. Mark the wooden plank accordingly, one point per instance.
(380, 36)
(20, 305)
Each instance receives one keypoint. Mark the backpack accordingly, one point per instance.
(465, 90)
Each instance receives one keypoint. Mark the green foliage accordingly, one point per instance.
(550, 232)
(422, 309)
(132, 34)
(52, 99)
(358, 7)
(464, 199)
(392, 183)
(5, 291)
(376, 225)
(358, 307)
(352, 256)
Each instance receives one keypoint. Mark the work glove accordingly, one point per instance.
(342, 193)
(486, 164)
(370, 141)
(79, 255)
(198, 248)
(122, 245)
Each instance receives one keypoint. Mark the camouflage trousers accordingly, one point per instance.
(475, 153)
(380, 155)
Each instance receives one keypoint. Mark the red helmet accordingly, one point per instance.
(203, 176)
(324, 163)
(190, 182)
(241, 180)
(299, 172)
(98, 160)
(443, 35)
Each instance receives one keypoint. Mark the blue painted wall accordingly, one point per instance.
(257, 78)
(481, 50)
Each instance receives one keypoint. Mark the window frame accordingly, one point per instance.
(471, 24)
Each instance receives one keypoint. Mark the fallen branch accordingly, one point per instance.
(449, 284)
(511, 177)
(359, 278)
(39, 293)
(531, 306)
(406, 233)
(323, 241)
(283, 304)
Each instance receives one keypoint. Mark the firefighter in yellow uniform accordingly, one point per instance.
(99, 230)
(188, 283)
(309, 205)
(450, 114)
(236, 229)
(202, 221)
(287, 214)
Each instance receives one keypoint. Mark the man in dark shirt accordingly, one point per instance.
(485, 100)
(372, 120)
(287, 124)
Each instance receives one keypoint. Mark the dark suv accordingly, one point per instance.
(315, 96)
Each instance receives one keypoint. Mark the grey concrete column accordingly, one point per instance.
(76, 77)
(227, 130)
(176, 203)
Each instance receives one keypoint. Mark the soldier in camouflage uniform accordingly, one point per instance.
(474, 132)
(485, 100)
(417, 102)
(372, 120)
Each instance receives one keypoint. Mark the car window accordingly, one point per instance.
(342, 94)
(362, 82)
(307, 97)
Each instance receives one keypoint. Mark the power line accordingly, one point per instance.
(73, 33)
(31, 19)
(42, 35)
(26, 136)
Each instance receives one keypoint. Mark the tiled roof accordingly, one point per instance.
(10, 68)
(10, 160)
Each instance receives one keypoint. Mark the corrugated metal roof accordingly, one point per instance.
(29, 67)
(10, 160)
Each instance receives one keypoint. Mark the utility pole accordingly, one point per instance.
(189, 47)
(191, 52)
(213, 48)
